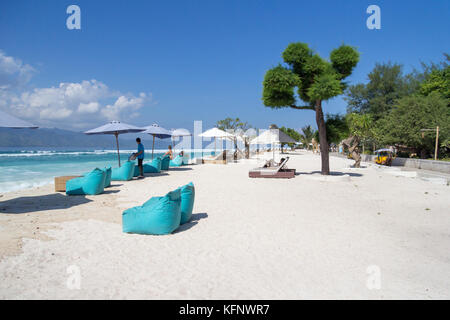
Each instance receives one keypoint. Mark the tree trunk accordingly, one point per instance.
(322, 138)
(247, 149)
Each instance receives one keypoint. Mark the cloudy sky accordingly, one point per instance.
(175, 62)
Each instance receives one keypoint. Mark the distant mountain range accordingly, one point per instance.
(52, 137)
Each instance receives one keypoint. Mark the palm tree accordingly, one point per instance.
(307, 135)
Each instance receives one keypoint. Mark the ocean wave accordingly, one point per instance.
(24, 153)
(16, 186)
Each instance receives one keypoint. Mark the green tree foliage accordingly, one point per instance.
(314, 79)
(239, 128)
(232, 124)
(437, 79)
(411, 114)
(337, 128)
(292, 133)
(400, 105)
(307, 135)
(360, 125)
(386, 85)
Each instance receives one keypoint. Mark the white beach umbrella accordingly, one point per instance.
(9, 121)
(272, 136)
(216, 133)
(181, 132)
(115, 128)
(158, 132)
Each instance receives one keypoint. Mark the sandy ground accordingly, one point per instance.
(370, 235)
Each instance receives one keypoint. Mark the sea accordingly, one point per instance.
(22, 168)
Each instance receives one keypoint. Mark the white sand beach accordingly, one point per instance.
(299, 238)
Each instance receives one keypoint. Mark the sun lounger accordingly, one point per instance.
(279, 171)
(221, 158)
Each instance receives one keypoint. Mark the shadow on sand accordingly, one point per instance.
(162, 173)
(332, 173)
(115, 185)
(54, 201)
(179, 169)
(194, 220)
(110, 191)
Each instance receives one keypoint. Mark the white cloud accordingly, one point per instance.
(13, 72)
(124, 104)
(70, 104)
(90, 107)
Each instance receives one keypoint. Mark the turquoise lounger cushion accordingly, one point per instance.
(154, 166)
(108, 172)
(165, 162)
(107, 176)
(176, 162)
(124, 173)
(159, 215)
(93, 183)
(136, 170)
(187, 202)
(185, 160)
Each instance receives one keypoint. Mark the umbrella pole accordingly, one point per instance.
(214, 145)
(117, 143)
(153, 146)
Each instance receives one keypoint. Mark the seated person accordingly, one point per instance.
(181, 153)
(169, 153)
(271, 163)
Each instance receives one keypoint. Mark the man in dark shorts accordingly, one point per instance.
(140, 157)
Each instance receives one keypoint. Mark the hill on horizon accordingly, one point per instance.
(59, 138)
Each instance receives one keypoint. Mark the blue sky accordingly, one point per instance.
(173, 62)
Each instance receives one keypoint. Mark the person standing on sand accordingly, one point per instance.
(140, 157)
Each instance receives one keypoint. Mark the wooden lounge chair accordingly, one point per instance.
(279, 171)
(221, 158)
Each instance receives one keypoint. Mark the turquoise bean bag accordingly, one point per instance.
(176, 162)
(187, 202)
(124, 173)
(108, 172)
(93, 183)
(107, 176)
(159, 215)
(165, 162)
(154, 166)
